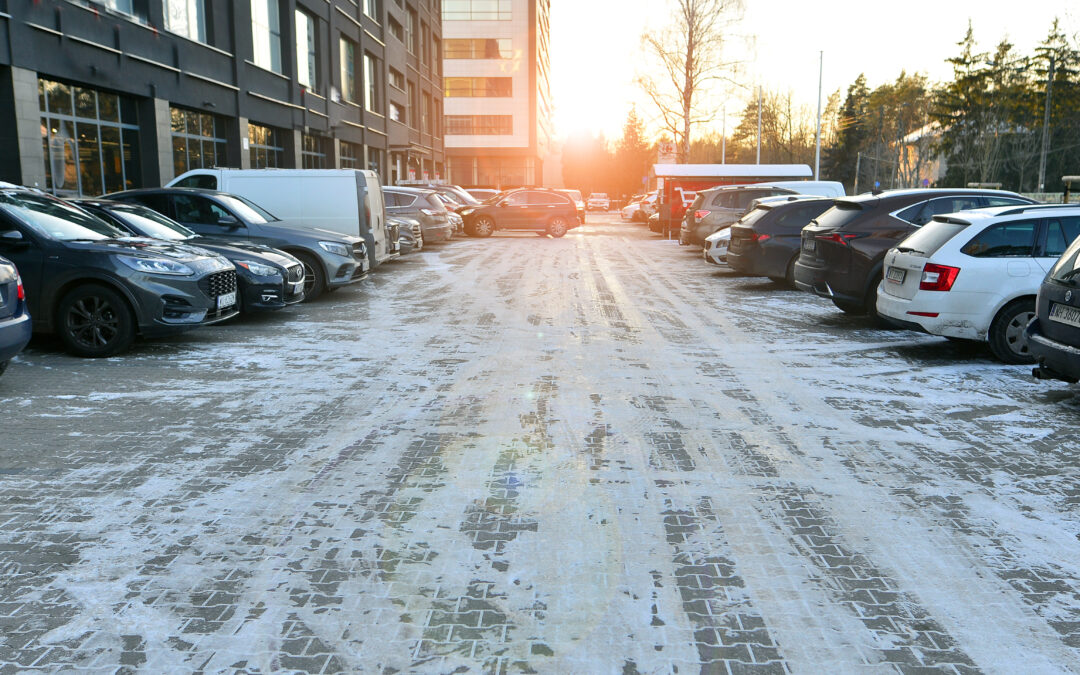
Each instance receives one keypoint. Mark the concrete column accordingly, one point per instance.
(155, 141)
(333, 161)
(293, 144)
(21, 128)
(239, 144)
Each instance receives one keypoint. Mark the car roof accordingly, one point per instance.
(1017, 210)
(872, 199)
(409, 190)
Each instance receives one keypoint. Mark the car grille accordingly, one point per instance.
(416, 229)
(359, 251)
(218, 283)
(295, 273)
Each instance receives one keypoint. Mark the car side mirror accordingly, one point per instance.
(503, 205)
(229, 221)
(13, 239)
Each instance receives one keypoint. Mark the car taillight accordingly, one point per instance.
(938, 277)
(20, 291)
(701, 214)
(762, 237)
(837, 238)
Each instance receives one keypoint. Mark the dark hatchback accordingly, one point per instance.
(1053, 336)
(15, 328)
(268, 279)
(533, 209)
(842, 251)
(330, 259)
(97, 289)
(765, 242)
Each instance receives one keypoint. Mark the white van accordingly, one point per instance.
(349, 201)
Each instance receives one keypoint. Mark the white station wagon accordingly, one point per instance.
(974, 275)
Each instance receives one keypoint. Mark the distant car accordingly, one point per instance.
(575, 196)
(598, 200)
(456, 194)
(410, 234)
(974, 275)
(716, 247)
(535, 209)
(627, 212)
(425, 206)
(842, 253)
(719, 207)
(483, 194)
(15, 326)
(645, 208)
(1053, 337)
(96, 289)
(268, 279)
(765, 242)
(331, 260)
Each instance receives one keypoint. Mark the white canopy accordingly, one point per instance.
(732, 171)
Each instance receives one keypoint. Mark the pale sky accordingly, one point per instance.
(596, 47)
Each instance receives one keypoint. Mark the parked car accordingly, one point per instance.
(536, 209)
(267, 279)
(15, 325)
(645, 208)
(458, 195)
(98, 290)
(1053, 337)
(410, 234)
(598, 200)
(423, 205)
(330, 259)
(842, 252)
(346, 201)
(974, 275)
(765, 242)
(483, 194)
(628, 211)
(716, 247)
(575, 196)
(719, 207)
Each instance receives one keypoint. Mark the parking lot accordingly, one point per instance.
(594, 454)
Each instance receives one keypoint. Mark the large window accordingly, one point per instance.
(313, 152)
(478, 48)
(266, 34)
(414, 107)
(397, 30)
(352, 156)
(307, 59)
(371, 75)
(90, 139)
(476, 10)
(480, 125)
(348, 70)
(410, 31)
(397, 112)
(198, 140)
(397, 79)
(187, 18)
(266, 146)
(425, 115)
(488, 87)
(371, 8)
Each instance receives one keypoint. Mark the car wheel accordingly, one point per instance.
(484, 226)
(314, 281)
(557, 226)
(789, 275)
(94, 321)
(1007, 332)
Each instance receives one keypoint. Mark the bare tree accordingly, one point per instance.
(690, 59)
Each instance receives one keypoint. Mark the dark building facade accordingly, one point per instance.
(99, 96)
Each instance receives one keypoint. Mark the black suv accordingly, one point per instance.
(97, 290)
(269, 279)
(331, 260)
(843, 250)
(765, 242)
(536, 209)
(1053, 336)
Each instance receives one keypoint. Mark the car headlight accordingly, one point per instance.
(335, 248)
(259, 269)
(156, 265)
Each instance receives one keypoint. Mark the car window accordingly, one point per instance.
(923, 213)
(434, 201)
(1004, 201)
(517, 199)
(157, 202)
(726, 199)
(55, 219)
(149, 222)
(802, 215)
(1014, 239)
(197, 210)
(246, 210)
(201, 181)
(1060, 232)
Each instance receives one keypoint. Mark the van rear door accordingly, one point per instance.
(373, 216)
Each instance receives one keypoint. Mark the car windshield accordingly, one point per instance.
(1067, 267)
(246, 210)
(752, 217)
(838, 216)
(55, 219)
(463, 197)
(149, 223)
(932, 236)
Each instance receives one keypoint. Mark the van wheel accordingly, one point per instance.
(1007, 332)
(484, 226)
(94, 321)
(557, 226)
(314, 279)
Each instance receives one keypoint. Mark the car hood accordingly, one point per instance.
(246, 251)
(174, 250)
(284, 229)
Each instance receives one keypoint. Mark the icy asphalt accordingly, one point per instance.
(589, 455)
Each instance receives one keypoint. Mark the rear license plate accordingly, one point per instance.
(226, 300)
(896, 275)
(809, 245)
(1070, 316)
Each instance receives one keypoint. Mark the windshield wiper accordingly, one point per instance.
(1070, 274)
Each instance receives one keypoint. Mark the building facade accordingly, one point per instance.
(497, 93)
(100, 96)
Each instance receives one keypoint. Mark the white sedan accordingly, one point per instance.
(974, 275)
(716, 247)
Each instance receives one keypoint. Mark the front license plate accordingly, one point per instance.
(896, 275)
(1065, 314)
(226, 300)
(809, 245)
(296, 287)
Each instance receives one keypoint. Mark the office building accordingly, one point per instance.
(496, 90)
(100, 96)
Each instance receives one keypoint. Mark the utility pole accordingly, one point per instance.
(759, 124)
(1046, 127)
(858, 162)
(817, 150)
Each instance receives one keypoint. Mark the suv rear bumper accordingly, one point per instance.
(1057, 360)
(14, 334)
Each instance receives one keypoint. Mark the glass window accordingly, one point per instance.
(920, 214)
(352, 156)
(487, 87)
(425, 115)
(413, 107)
(476, 10)
(410, 31)
(149, 222)
(266, 147)
(1005, 201)
(932, 236)
(348, 70)
(125, 6)
(306, 58)
(313, 152)
(266, 34)
(54, 218)
(478, 48)
(800, 216)
(480, 125)
(1060, 233)
(397, 112)
(198, 140)
(371, 8)
(198, 210)
(1015, 239)
(517, 199)
(187, 18)
(397, 30)
(371, 74)
(397, 79)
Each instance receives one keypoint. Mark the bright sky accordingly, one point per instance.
(596, 48)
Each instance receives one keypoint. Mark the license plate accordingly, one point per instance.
(296, 287)
(226, 300)
(896, 275)
(1065, 314)
(809, 245)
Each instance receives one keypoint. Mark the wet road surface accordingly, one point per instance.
(589, 455)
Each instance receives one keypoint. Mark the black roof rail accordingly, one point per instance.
(1037, 207)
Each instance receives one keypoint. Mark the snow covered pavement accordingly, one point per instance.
(596, 454)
